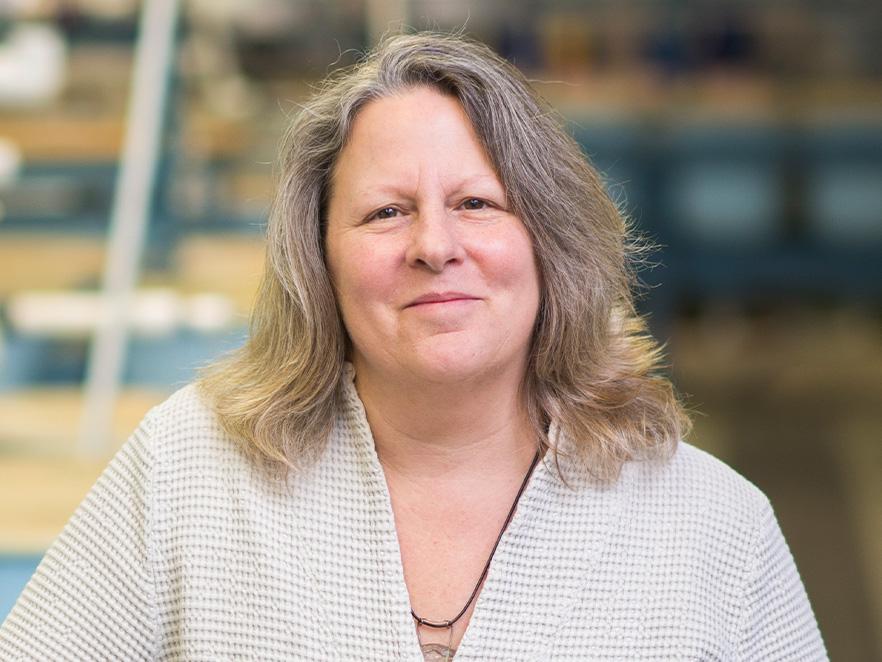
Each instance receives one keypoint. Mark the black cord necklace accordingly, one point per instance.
(435, 651)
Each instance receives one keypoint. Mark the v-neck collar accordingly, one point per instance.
(375, 483)
(537, 572)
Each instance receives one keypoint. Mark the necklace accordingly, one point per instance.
(433, 652)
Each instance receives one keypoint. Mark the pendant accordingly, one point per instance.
(437, 653)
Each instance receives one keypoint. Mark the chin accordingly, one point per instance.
(442, 364)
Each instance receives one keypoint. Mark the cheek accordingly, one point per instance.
(514, 265)
(363, 275)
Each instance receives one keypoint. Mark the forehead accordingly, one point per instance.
(417, 132)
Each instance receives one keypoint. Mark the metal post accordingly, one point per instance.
(129, 219)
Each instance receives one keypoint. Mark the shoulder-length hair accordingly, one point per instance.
(593, 368)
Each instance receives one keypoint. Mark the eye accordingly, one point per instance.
(474, 204)
(384, 213)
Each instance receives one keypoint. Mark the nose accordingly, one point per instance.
(434, 242)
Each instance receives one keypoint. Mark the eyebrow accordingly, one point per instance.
(391, 189)
(383, 189)
(366, 197)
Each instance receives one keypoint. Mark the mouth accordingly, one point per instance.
(437, 298)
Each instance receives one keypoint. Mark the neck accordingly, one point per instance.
(431, 432)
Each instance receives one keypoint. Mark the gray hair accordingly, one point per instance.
(593, 368)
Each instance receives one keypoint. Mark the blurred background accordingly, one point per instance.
(745, 138)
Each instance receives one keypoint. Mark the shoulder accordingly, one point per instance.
(701, 521)
(697, 497)
(185, 416)
(719, 534)
(184, 431)
(185, 407)
(693, 475)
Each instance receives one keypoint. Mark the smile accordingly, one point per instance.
(438, 298)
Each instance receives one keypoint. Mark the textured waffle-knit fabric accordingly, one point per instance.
(183, 551)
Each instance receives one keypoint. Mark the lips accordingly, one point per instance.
(440, 297)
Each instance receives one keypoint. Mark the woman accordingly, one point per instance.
(446, 434)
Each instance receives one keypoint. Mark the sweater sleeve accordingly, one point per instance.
(776, 621)
(91, 597)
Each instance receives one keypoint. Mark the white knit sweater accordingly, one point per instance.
(182, 551)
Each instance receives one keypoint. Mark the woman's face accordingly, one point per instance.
(435, 278)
